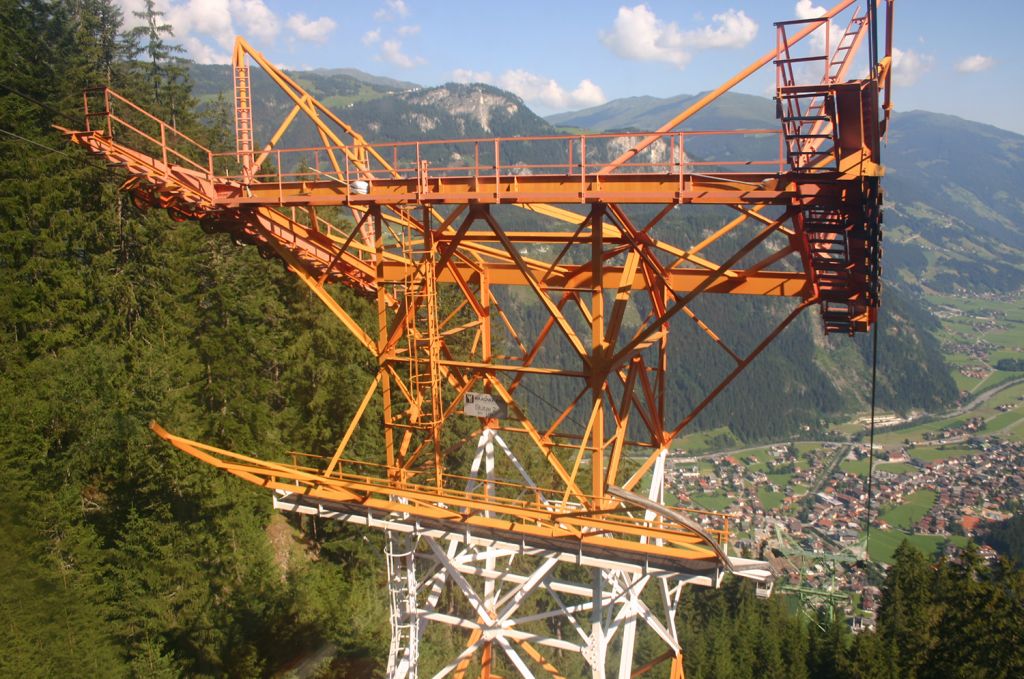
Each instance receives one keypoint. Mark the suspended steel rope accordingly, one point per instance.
(46, 107)
(50, 149)
(55, 113)
(871, 436)
(873, 64)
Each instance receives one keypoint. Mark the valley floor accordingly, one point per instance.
(937, 477)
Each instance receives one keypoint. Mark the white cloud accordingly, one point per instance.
(315, 30)
(203, 53)
(908, 66)
(408, 30)
(735, 30)
(391, 10)
(638, 34)
(371, 37)
(391, 52)
(197, 23)
(975, 63)
(212, 19)
(465, 75)
(128, 9)
(806, 9)
(536, 89)
(256, 19)
(587, 94)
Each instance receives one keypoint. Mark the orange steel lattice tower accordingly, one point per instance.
(482, 320)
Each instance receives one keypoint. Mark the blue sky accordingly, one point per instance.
(569, 54)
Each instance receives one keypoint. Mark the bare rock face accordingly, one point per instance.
(657, 152)
(472, 102)
(423, 122)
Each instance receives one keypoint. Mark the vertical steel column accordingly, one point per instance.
(243, 113)
(598, 359)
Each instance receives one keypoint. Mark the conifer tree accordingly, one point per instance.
(905, 615)
(164, 70)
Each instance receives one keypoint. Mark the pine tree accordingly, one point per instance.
(868, 659)
(164, 71)
(979, 621)
(905, 613)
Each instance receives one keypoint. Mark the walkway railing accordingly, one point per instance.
(488, 160)
(121, 120)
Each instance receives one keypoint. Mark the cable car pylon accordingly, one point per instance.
(540, 529)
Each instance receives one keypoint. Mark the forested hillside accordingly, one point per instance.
(122, 557)
(957, 222)
(937, 620)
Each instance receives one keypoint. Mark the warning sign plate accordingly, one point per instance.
(476, 404)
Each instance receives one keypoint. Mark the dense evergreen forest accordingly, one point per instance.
(1007, 537)
(124, 558)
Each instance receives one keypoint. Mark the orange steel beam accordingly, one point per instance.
(607, 278)
(602, 529)
(725, 189)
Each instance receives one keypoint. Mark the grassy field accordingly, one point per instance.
(883, 543)
(716, 502)
(770, 500)
(860, 467)
(721, 438)
(1007, 396)
(995, 378)
(931, 453)
(781, 480)
(994, 420)
(912, 509)
(963, 382)
(917, 432)
(969, 327)
(1004, 420)
(761, 455)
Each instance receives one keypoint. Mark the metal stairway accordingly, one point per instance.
(842, 240)
(808, 111)
(843, 258)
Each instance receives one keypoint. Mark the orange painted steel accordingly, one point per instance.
(469, 303)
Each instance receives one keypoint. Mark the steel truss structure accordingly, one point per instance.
(507, 272)
(599, 599)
